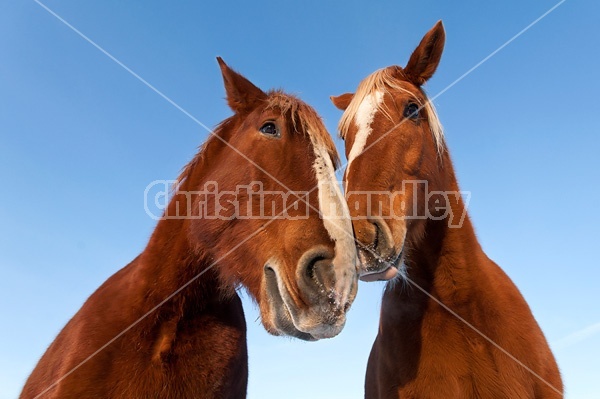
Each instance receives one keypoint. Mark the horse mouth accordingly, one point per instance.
(385, 275)
(378, 269)
(284, 319)
(280, 320)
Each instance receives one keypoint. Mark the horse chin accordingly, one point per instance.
(286, 327)
(293, 332)
(277, 321)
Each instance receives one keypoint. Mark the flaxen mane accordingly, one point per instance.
(382, 81)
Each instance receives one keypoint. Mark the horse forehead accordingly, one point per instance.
(363, 121)
(367, 109)
(302, 119)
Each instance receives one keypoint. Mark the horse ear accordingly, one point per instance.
(342, 101)
(426, 57)
(242, 95)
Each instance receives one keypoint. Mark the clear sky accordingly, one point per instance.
(81, 138)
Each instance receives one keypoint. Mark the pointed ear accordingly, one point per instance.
(342, 101)
(242, 95)
(425, 59)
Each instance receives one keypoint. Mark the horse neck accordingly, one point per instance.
(171, 264)
(446, 260)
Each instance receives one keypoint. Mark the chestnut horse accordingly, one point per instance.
(453, 325)
(170, 324)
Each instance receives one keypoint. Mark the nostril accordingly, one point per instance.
(377, 233)
(369, 234)
(311, 266)
(315, 269)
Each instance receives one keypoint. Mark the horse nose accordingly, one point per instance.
(373, 237)
(365, 233)
(328, 294)
(322, 287)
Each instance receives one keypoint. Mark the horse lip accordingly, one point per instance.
(385, 274)
(283, 321)
(329, 331)
(302, 335)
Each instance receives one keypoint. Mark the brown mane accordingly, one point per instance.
(188, 169)
(304, 120)
(309, 121)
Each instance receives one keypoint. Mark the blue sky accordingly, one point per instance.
(81, 138)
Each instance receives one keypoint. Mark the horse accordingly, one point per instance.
(170, 324)
(452, 323)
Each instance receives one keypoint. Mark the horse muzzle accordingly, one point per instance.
(316, 308)
(378, 259)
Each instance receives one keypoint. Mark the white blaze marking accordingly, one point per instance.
(363, 119)
(336, 219)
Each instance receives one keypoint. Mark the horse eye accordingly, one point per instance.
(269, 129)
(411, 111)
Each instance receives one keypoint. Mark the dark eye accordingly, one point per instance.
(411, 111)
(270, 129)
